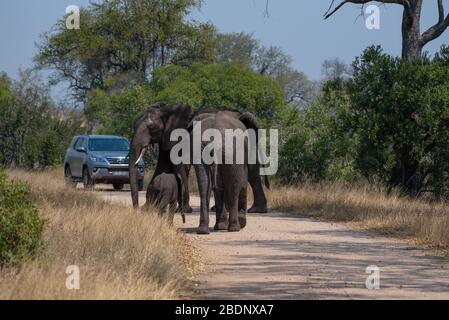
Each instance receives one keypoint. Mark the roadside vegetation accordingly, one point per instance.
(386, 125)
(382, 121)
(373, 149)
(120, 254)
(371, 208)
(20, 224)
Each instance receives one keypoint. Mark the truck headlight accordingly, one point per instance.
(97, 160)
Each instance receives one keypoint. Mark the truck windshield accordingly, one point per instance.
(108, 145)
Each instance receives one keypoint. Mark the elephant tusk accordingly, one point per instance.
(141, 156)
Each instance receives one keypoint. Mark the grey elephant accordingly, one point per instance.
(227, 181)
(254, 178)
(154, 126)
(164, 193)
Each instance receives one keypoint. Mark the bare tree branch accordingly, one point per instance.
(331, 11)
(436, 30)
(413, 40)
(440, 10)
(267, 12)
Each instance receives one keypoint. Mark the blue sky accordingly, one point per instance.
(295, 25)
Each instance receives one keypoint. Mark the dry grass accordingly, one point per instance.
(121, 254)
(370, 208)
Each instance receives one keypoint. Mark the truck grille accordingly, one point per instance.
(118, 169)
(118, 160)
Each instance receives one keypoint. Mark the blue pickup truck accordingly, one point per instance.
(93, 159)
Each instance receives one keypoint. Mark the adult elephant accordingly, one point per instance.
(155, 125)
(227, 179)
(254, 178)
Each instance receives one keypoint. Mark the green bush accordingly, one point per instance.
(120, 110)
(232, 85)
(319, 147)
(399, 110)
(387, 123)
(35, 133)
(21, 227)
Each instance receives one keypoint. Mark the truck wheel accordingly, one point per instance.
(87, 180)
(118, 186)
(68, 178)
(140, 185)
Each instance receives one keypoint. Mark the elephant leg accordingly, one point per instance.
(185, 173)
(203, 179)
(231, 197)
(260, 200)
(233, 201)
(243, 207)
(222, 222)
(162, 205)
(150, 198)
(171, 212)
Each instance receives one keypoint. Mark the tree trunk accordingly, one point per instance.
(412, 45)
(406, 173)
(412, 39)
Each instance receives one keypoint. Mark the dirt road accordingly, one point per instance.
(283, 257)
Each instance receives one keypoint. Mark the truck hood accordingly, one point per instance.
(109, 154)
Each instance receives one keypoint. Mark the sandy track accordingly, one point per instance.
(283, 257)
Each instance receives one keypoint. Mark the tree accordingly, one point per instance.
(6, 97)
(21, 115)
(399, 110)
(114, 109)
(333, 69)
(33, 131)
(319, 146)
(232, 85)
(271, 61)
(236, 47)
(388, 122)
(123, 36)
(413, 41)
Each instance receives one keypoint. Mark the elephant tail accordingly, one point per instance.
(267, 182)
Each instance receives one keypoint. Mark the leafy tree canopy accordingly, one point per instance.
(388, 122)
(400, 111)
(232, 85)
(122, 36)
(34, 132)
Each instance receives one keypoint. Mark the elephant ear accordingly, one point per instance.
(146, 121)
(249, 120)
(175, 117)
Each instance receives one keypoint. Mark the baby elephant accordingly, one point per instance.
(165, 193)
